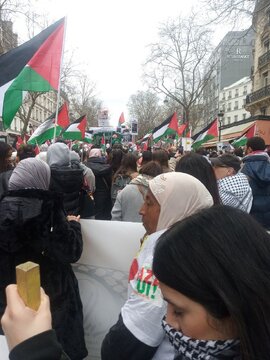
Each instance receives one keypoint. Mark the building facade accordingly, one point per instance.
(232, 101)
(258, 101)
(231, 61)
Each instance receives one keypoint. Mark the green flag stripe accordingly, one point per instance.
(27, 80)
(72, 135)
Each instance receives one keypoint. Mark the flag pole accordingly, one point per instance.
(59, 82)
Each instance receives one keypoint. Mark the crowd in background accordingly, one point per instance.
(199, 286)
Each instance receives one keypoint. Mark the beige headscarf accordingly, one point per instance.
(179, 195)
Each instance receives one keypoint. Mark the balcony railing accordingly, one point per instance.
(264, 59)
(259, 94)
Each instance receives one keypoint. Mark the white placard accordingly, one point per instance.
(102, 272)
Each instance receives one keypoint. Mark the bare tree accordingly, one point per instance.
(83, 100)
(146, 109)
(229, 11)
(176, 65)
(25, 111)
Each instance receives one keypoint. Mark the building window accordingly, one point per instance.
(235, 105)
(244, 116)
(229, 119)
(266, 44)
(263, 110)
(236, 93)
(268, 16)
(230, 95)
(245, 90)
(223, 96)
(235, 118)
(229, 107)
(265, 79)
(244, 103)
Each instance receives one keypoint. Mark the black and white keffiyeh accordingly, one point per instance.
(192, 349)
(235, 191)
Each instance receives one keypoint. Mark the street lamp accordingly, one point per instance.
(220, 120)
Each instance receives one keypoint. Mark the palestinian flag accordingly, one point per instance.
(181, 129)
(243, 139)
(168, 127)
(208, 133)
(76, 130)
(121, 119)
(46, 130)
(33, 66)
(88, 138)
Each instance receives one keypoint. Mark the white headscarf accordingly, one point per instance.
(30, 173)
(179, 195)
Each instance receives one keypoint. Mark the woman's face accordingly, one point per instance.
(8, 158)
(191, 318)
(150, 212)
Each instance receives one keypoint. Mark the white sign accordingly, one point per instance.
(102, 273)
(103, 123)
(186, 143)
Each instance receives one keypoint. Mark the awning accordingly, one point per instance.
(229, 134)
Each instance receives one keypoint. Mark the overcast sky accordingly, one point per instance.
(110, 38)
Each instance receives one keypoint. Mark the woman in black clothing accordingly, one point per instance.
(33, 227)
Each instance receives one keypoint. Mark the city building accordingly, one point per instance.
(231, 61)
(232, 101)
(258, 101)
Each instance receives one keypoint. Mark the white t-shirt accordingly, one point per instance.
(145, 308)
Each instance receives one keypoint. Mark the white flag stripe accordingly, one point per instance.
(160, 131)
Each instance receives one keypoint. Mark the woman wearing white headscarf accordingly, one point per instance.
(138, 334)
(33, 227)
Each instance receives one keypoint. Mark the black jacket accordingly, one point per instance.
(33, 227)
(69, 182)
(43, 346)
(257, 169)
(102, 194)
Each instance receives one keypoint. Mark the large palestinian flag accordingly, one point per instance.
(32, 66)
(208, 133)
(168, 127)
(76, 130)
(247, 135)
(46, 130)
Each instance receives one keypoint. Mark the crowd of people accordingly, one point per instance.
(199, 285)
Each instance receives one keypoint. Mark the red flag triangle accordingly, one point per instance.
(63, 117)
(82, 126)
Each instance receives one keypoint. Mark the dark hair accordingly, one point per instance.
(152, 168)
(25, 151)
(197, 166)
(213, 154)
(115, 159)
(238, 152)
(146, 157)
(4, 150)
(162, 157)
(201, 151)
(219, 257)
(128, 165)
(256, 143)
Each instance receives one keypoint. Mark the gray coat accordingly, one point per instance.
(127, 204)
